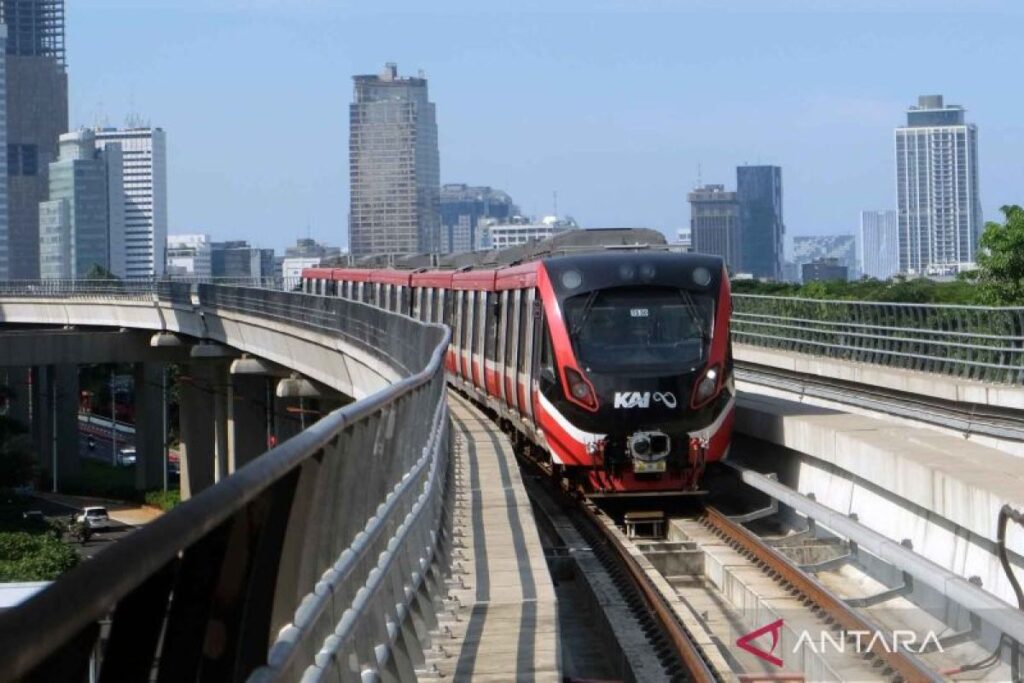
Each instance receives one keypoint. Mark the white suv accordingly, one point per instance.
(94, 517)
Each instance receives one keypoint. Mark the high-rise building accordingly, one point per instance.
(715, 224)
(394, 171)
(522, 231)
(759, 193)
(306, 253)
(189, 256)
(239, 259)
(145, 191)
(37, 114)
(81, 225)
(5, 234)
(937, 189)
(878, 244)
(841, 248)
(462, 207)
(823, 270)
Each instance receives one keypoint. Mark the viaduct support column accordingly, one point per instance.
(19, 398)
(65, 422)
(196, 411)
(247, 419)
(42, 420)
(149, 426)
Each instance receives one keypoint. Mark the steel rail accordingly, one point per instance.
(677, 633)
(896, 304)
(874, 332)
(908, 667)
(885, 352)
(987, 606)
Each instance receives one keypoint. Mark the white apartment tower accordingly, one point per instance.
(145, 196)
(877, 244)
(939, 211)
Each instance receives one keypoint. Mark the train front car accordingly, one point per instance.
(635, 383)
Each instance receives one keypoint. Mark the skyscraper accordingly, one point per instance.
(937, 188)
(145, 193)
(37, 114)
(5, 234)
(715, 224)
(394, 172)
(759, 191)
(462, 206)
(81, 225)
(877, 244)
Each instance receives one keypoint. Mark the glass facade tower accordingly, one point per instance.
(759, 190)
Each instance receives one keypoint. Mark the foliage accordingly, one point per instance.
(98, 272)
(1001, 259)
(164, 500)
(33, 557)
(95, 478)
(901, 290)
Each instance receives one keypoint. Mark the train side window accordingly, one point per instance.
(481, 323)
(547, 372)
(447, 305)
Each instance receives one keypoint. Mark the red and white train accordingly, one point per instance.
(616, 363)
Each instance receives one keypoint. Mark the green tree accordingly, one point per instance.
(1001, 259)
(98, 272)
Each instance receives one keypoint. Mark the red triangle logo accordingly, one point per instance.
(744, 642)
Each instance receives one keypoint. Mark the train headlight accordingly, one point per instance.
(706, 388)
(580, 391)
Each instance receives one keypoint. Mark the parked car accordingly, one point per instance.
(90, 441)
(94, 517)
(34, 516)
(126, 456)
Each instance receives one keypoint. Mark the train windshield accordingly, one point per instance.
(631, 329)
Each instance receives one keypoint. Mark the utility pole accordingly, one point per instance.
(113, 420)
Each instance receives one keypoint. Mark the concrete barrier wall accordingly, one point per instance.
(941, 492)
(326, 358)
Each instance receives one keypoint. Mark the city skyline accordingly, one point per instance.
(524, 111)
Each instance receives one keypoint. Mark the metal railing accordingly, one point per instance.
(142, 289)
(972, 342)
(324, 557)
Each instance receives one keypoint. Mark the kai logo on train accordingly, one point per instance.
(642, 399)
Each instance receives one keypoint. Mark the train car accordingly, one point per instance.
(616, 364)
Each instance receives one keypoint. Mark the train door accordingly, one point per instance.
(478, 347)
(512, 339)
(502, 363)
(468, 299)
(457, 333)
(491, 343)
(526, 297)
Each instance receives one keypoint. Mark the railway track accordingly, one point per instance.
(690, 645)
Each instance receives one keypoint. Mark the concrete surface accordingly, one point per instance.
(941, 492)
(500, 622)
(924, 383)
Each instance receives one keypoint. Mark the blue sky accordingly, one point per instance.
(611, 103)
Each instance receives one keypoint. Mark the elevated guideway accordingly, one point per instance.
(907, 417)
(327, 557)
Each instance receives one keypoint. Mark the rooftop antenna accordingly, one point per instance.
(699, 183)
